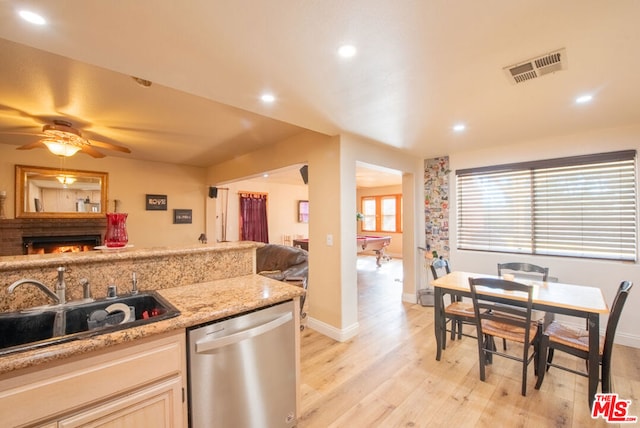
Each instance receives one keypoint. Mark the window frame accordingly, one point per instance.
(379, 216)
(494, 204)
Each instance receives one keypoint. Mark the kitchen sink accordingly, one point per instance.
(47, 325)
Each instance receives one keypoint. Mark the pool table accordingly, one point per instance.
(374, 243)
(365, 243)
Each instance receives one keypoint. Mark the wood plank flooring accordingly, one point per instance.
(387, 376)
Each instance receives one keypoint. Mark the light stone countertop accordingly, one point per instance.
(54, 260)
(197, 303)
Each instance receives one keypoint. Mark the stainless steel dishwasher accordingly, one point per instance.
(242, 370)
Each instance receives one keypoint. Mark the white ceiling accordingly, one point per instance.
(421, 67)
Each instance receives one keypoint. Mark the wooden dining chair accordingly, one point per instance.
(576, 342)
(496, 317)
(535, 271)
(524, 267)
(457, 313)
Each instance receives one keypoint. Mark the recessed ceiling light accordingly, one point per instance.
(347, 51)
(268, 98)
(32, 17)
(265, 175)
(584, 99)
(459, 127)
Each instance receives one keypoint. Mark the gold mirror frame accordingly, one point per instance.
(43, 192)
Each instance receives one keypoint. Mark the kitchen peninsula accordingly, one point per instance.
(144, 367)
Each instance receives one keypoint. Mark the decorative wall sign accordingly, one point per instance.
(182, 216)
(156, 202)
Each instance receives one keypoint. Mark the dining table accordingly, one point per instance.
(554, 297)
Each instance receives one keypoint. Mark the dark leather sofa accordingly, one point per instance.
(282, 262)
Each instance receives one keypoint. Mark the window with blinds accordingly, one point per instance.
(583, 206)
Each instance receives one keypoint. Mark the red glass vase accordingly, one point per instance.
(116, 235)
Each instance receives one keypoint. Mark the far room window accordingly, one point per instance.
(582, 206)
(382, 213)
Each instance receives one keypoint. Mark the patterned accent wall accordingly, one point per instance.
(436, 205)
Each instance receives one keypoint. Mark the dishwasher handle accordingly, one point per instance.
(208, 345)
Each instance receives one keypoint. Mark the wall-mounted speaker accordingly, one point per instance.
(213, 192)
(304, 172)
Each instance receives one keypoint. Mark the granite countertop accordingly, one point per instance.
(197, 303)
(54, 260)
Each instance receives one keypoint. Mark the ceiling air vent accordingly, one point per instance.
(536, 67)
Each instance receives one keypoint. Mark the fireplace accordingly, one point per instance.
(16, 235)
(59, 244)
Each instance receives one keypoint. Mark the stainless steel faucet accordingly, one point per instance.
(61, 287)
(86, 289)
(58, 297)
(134, 283)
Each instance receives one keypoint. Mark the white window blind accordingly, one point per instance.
(582, 206)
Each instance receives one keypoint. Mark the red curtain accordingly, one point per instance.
(253, 217)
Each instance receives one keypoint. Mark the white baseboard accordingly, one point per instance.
(341, 335)
(625, 339)
(409, 298)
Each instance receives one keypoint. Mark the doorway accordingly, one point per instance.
(379, 202)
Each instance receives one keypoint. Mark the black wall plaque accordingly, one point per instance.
(156, 202)
(182, 216)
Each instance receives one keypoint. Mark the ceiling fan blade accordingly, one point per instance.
(91, 151)
(15, 131)
(34, 145)
(109, 146)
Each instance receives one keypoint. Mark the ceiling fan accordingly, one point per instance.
(64, 140)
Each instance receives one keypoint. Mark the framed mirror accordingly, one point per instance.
(61, 193)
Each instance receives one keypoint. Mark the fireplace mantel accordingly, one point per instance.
(13, 230)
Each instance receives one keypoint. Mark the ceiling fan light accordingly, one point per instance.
(61, 148)
(66, 179)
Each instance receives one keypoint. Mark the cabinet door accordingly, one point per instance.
(158, 405)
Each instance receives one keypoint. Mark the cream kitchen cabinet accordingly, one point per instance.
(138, 384)
(154, 406)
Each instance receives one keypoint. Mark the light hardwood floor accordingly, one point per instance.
(387, 376)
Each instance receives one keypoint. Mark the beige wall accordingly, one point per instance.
(395, 247)
(597, 273)
(129, 181)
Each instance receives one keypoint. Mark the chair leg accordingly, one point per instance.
(504, 344)
(536, 348)
(454, 326)
(460, 324)
(606, 377)
(444, 333)
(490, 344)
(549, 356)
(481, 358)
(524, 373)
(542, 361)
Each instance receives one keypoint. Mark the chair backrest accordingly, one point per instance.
(487, 306)
(439, 267)
(614, 317)
(524, 267)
